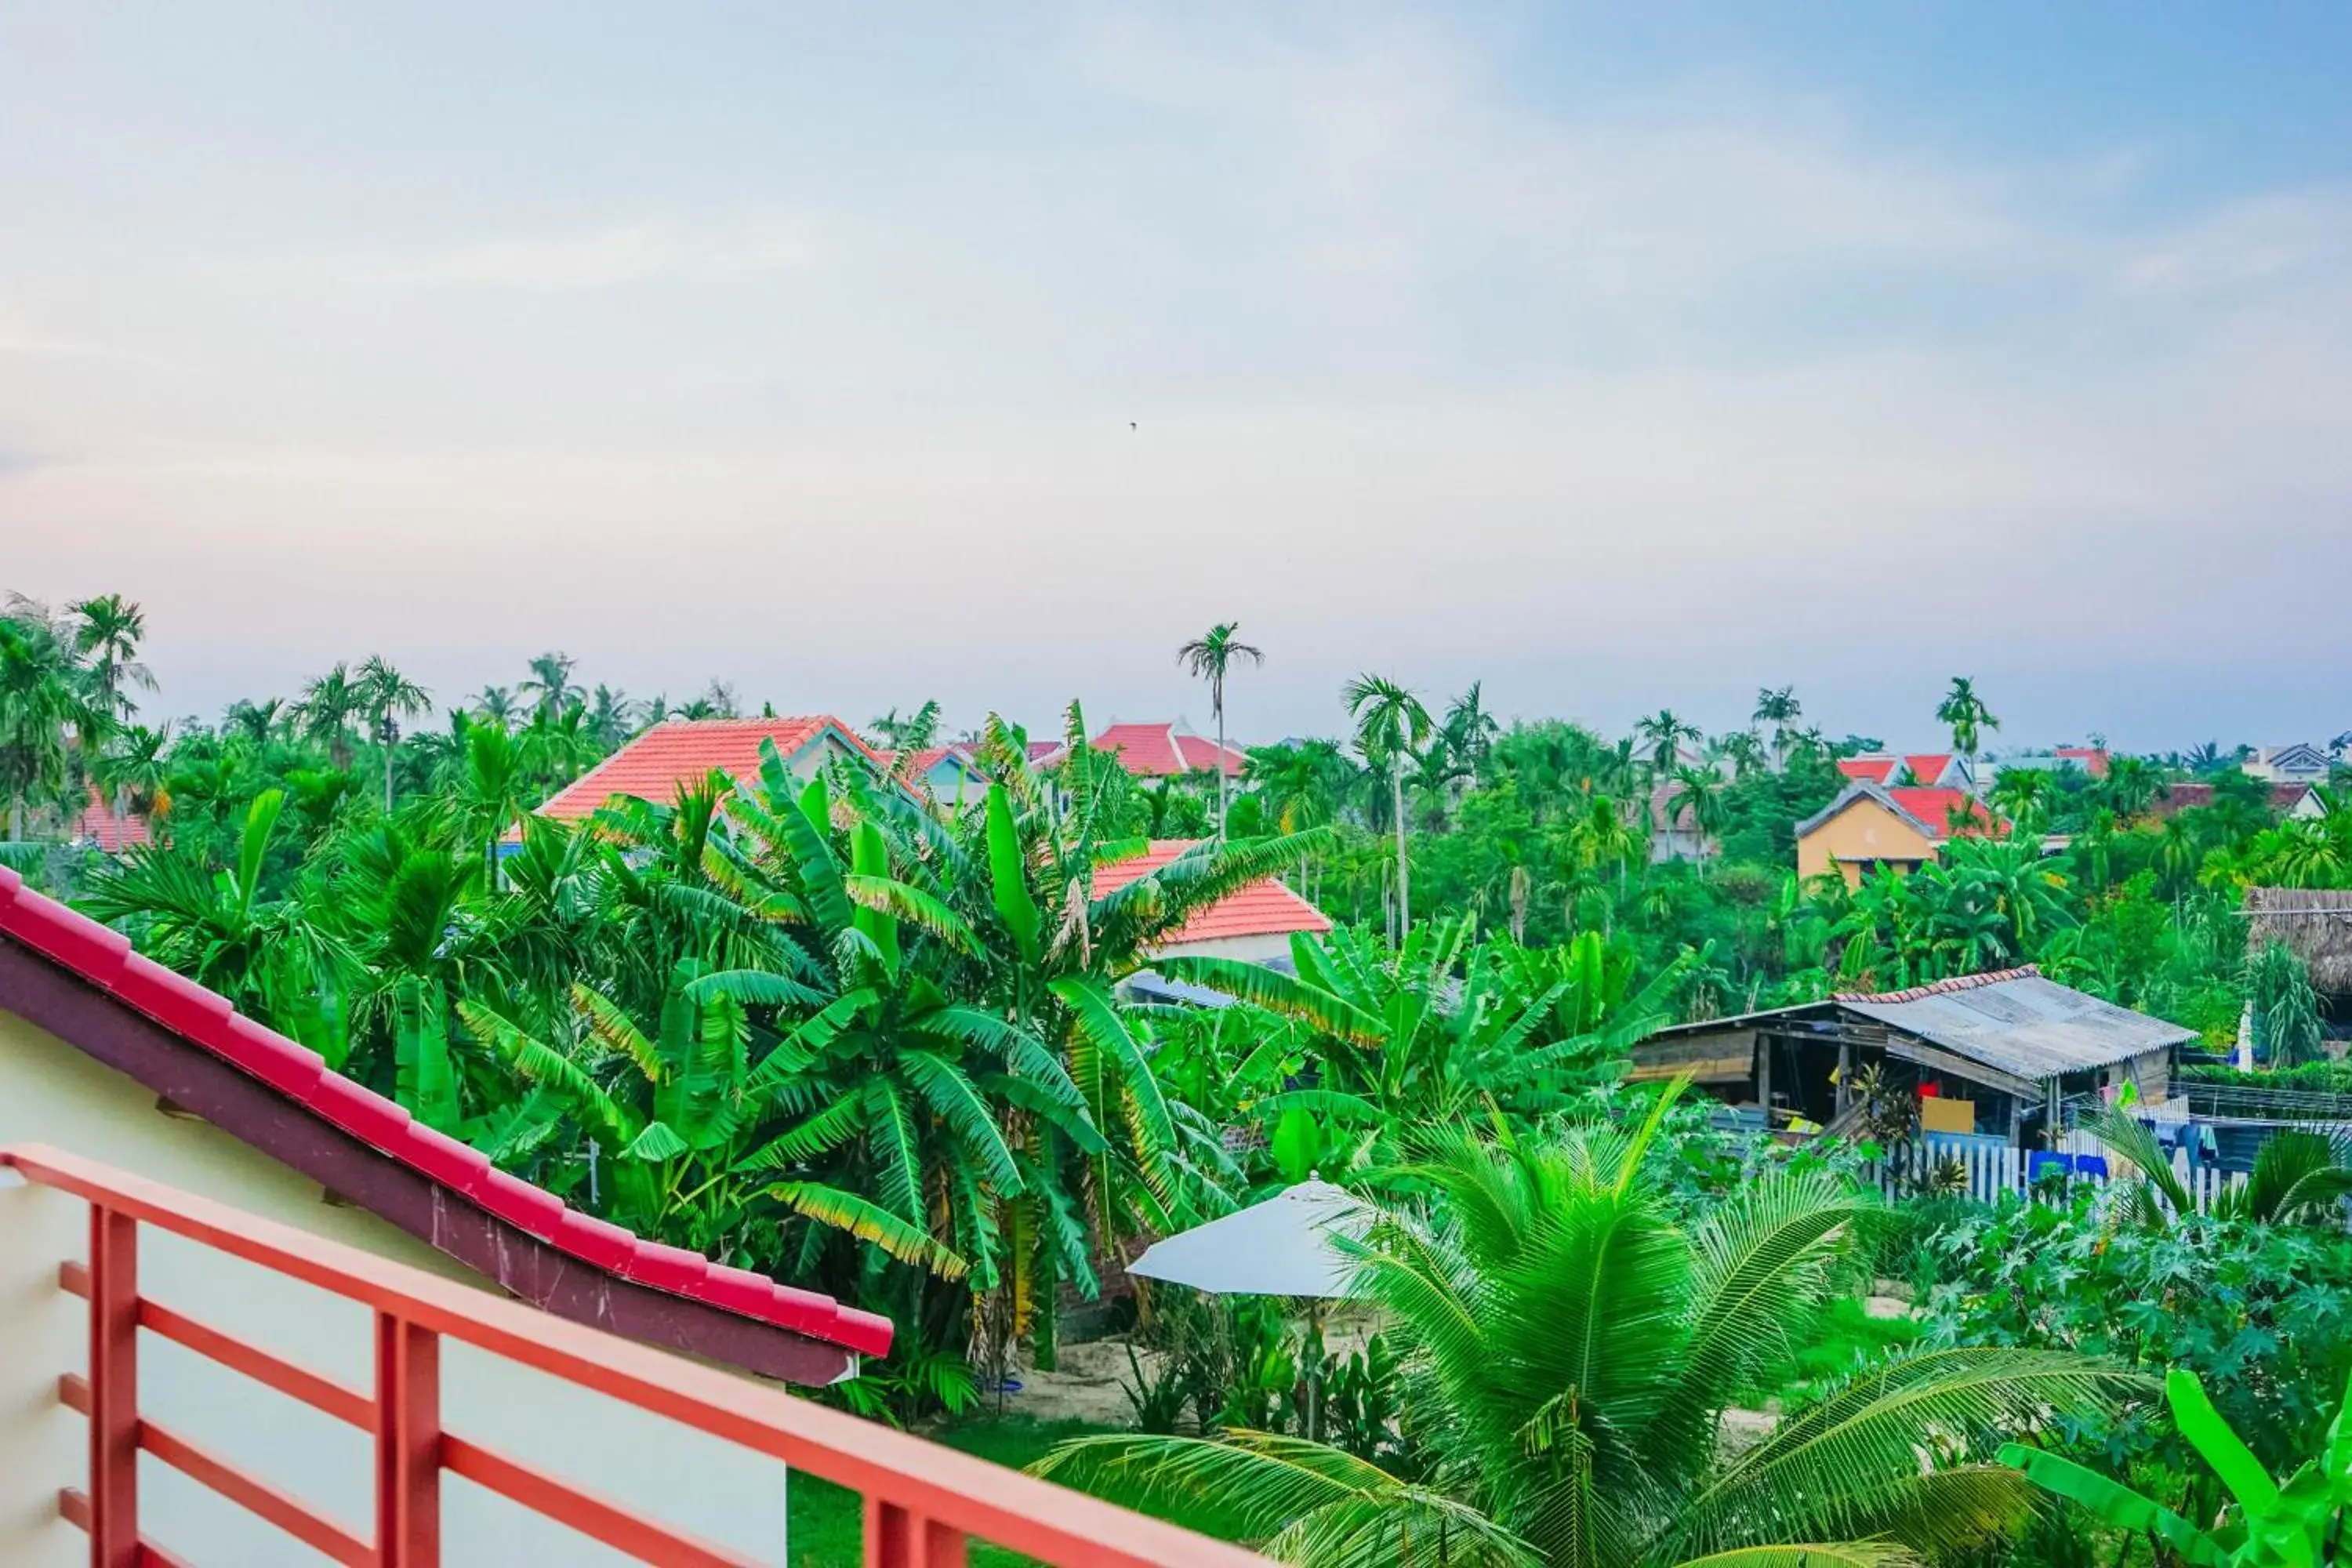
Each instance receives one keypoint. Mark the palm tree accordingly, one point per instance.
(1469, 729)
(387, 696)
(1965, 712)
(132, 768)
(326, 708)
(1390, 723)
(256, 721)
(549, 683)
(39, 703)
(1780, 709)
(612, 717)
(1701, 790)
(495, 705)
(1571, 1346)
(106, 631)
(1210, 657)
(1664, 733)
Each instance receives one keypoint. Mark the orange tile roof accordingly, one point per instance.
(2093, 758)
(1158, 751)
(1867, 770)
(1266, 907)
(683, 750)
(1933, 807)
(98, 825)
(1928, 766)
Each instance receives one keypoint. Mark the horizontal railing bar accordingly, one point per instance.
(955, 1489)
(73, 1392)
(258, 1498)
(345, 1405)
(73, 1507)
(643, 1539)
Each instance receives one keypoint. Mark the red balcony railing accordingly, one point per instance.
(923, 1500)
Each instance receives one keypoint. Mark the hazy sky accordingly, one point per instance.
(865, 353)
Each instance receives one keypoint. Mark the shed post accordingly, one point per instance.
(1764, 1076)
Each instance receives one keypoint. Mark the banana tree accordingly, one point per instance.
(2297, 1524)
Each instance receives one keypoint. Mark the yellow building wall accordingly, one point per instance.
(1865, 830)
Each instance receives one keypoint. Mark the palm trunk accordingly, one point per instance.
(1404, 872)
(1221, 769)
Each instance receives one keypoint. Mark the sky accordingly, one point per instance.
(1617, 357)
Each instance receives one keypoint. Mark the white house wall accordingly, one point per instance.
(51, 1093)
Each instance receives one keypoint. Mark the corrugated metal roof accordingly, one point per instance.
(2023, 1025)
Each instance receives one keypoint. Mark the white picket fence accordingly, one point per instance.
(1907, 1169)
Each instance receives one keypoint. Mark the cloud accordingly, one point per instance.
(555, 263)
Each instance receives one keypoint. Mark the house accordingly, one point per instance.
(1929, 769)
(2316, 922)
(1868, 826)
(948, 774)
(98, 826)
(2301, 800)
(112, 1058)
(1168, 751)
(1674, 827)
(1253, 923)
(1994, 1055)
(684, 751)
(2294, 764)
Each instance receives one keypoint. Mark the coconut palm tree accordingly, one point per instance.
(1391, 723)
(1469, 729)
(495, 705)
(387, 696)
(1211, 658)
(1780, 709)
(106, 632)
(1664, 733)
(131, 770)
(1965, 712)
(550, 686)
(1571, 1347)
(326, 709)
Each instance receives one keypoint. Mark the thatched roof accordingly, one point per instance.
(2315, 922)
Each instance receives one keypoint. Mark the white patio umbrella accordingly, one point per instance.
(1282, 1247)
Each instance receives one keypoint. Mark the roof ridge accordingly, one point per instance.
(103, 957)
(1941, 987)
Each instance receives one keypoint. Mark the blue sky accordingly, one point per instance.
(1617, 357)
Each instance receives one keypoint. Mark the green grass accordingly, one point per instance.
(1843, 1339)
(827, 1523)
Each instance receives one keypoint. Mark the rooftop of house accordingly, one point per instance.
(1926, 808)
(305, 1100)
(1266, 907)
(2013, 1021)
(652, 766)
(2191, 795)
(1884, 768)
(98, 825)
(1164, 751)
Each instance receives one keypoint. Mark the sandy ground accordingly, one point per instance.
(1090, 1384)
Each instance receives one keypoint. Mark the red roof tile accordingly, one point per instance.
(1928, 767)
(1867, 770)
(98, 825)
(1261, 909)
(2093, 758)
(1158, 751)
(1933, 807)
(205, 1019)
(652, 766)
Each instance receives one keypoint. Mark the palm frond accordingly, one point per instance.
(902, 1239)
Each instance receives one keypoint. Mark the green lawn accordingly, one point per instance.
(827, 1523)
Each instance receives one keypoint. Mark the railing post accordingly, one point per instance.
(898, 1537)
(407, 1444)
(113, 1389)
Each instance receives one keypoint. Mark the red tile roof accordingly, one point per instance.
(1867, 770)
(1262, 909)
(205, 1019)
(1158, 751)
(1933, 807)
(2093, 758)
(2175, 798)
(98, 825)
(683, 750)
(1927, 767)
